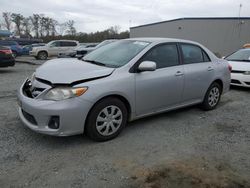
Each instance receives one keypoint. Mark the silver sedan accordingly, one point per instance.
(120, 82)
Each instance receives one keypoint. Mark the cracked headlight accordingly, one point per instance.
(62, 93)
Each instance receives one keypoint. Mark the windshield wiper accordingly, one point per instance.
(94, 62)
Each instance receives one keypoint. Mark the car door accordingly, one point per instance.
(162, 88)
(54, 48)
(64, 47)
(71, 46)
(198, 71)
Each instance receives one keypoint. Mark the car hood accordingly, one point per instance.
(240, 65)
(70, 70)
(34, 48)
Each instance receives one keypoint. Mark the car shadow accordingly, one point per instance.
(239, 88)
(5, 70)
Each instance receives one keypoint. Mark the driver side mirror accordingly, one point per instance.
(147, 66)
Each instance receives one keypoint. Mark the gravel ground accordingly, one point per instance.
(183, 148)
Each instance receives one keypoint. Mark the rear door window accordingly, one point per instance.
(193, 54)
(68, 43)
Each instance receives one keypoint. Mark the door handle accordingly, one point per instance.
(179, 73)
(210, 68)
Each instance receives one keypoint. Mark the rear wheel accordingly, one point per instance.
(212, 97)
(107, 119)
(42, 55)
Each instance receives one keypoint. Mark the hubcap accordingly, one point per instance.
(213, 97)
(43, 56)
(109, 120)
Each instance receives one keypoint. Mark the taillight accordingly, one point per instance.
(229, 67)
(6, 51)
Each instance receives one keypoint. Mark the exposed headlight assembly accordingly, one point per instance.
(62, 93)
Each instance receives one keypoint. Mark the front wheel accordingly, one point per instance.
(107, 119)
(42, 55)
(212, 97)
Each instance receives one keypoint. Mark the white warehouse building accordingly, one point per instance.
(222, 35)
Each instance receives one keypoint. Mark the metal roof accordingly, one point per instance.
(195, 18)
(5, 33)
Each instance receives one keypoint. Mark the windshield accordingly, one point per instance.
(116, 54)
(241, 55)
(104, 43)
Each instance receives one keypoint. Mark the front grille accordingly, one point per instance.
(29, 117)
(248, 83)
(237, 71)
(235, 81)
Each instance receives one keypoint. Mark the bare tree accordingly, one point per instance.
(27, 26)
(71, 30)
(42, 25)
(35, 20)
(17, 19)
(7, 20)
(53, 24)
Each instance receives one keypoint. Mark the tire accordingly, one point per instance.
(101, 125)
(42, 55)
(212, 97)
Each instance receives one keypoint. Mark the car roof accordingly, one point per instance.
(156, 39)
(67, 40)
(4, 48)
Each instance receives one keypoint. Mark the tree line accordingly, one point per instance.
(47, 28)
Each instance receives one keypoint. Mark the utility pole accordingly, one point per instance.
(239, 22)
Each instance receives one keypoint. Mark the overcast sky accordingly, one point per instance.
(93, 15)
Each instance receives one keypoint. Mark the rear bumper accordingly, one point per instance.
(239, 79)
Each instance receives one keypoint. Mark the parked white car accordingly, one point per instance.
(53, 48)
(240, 62)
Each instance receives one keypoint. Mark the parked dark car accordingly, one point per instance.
(13, 45)
(25, 41)
(6, 57)
(26, 49)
